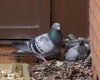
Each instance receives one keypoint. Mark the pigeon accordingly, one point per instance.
(45, 45)
(71, 41)
(78, 52)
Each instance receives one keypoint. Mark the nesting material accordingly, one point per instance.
(62, 70)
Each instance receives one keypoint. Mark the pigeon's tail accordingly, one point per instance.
(22, 47)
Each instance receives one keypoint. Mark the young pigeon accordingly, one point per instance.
(78, 52)
(45, 45)
(71, 41)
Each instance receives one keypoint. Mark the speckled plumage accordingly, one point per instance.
(78, 51)
(44, 45)
(71, 41)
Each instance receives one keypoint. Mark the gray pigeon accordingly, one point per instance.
(45, 45)
(71, 41)
(78, 52)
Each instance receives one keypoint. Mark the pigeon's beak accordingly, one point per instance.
(58, 28)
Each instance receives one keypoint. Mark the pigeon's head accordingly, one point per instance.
(81, 38)
(56, 26)
(71, 37)
(81, 42)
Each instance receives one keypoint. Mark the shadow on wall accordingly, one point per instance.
(73, 16)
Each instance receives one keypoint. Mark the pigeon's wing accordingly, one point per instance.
(52, 53)
(84, 51)
(71, 54)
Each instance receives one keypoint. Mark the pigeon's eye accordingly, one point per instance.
(57, 27)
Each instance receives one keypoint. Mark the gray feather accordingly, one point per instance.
(45, 45)
(79, 51)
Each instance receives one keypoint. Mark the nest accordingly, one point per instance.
(62, 70)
